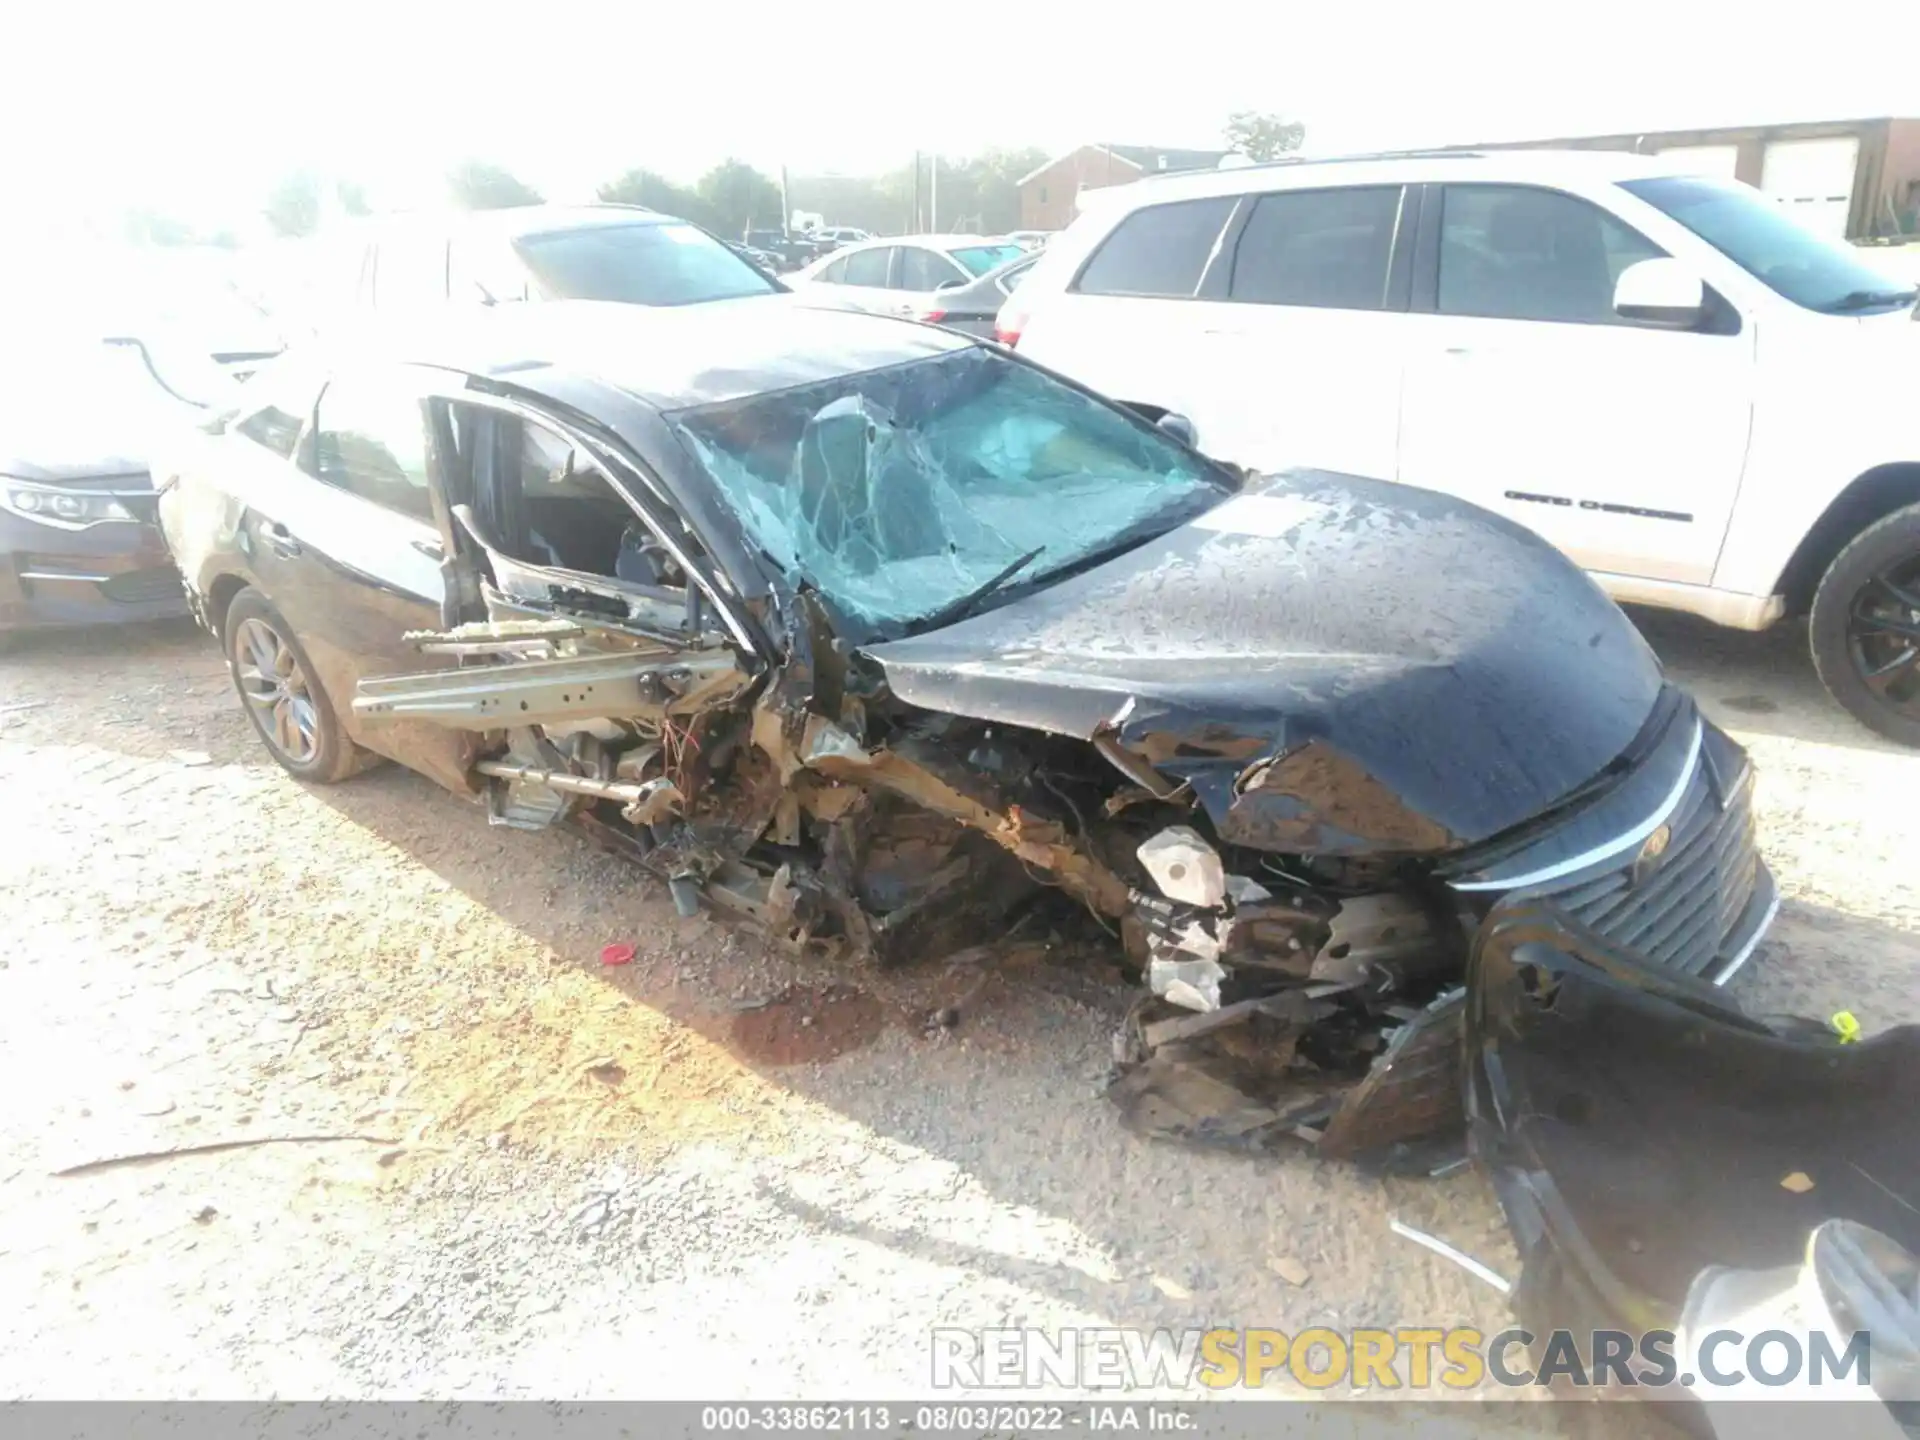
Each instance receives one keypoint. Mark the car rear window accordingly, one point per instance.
(1328, 248)
(654, 264)
(869, 267)
(979, 259)
(1161, 250)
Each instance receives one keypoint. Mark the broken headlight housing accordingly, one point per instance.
(57, 505)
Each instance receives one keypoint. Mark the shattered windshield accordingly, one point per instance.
(912, 493)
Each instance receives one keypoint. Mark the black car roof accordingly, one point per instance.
(668, 357)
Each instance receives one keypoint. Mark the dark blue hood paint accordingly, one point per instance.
(1399, 648)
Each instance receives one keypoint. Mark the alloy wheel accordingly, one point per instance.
(277, 691)
(1883, 635)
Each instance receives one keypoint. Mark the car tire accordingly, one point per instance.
(1865, 628)
(282, 695)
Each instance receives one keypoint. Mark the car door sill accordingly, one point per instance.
(1723, 607)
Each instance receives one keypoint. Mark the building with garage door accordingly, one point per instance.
(1857, 178)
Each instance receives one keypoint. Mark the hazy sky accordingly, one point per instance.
(195, 107)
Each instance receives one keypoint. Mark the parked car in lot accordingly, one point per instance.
(768, 262)
(404, 266)
(974, 305)
(78, 543)
(791, 251)
(1706, 405)
(831, 237)
(873, 632)
(892, 276)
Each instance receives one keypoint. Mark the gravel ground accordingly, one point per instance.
(542, 1177)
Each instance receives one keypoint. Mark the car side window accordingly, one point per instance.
(834, 274)
(923, 269)
(573, 518)
(277, 405)
(869, 267)
(370, 439)
(543, 501)
(1326, 248)
(481, 270)
(1161, 250)
(363, 274)
(1513, 252)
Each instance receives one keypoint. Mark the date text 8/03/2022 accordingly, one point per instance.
(969, 1418)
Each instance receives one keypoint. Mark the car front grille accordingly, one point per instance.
(138, 587)
(1700, 907)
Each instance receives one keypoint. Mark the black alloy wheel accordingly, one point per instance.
(1865, 627)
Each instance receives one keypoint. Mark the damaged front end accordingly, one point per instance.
(1290, 801)
(1371, 792)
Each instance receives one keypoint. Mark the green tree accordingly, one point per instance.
(656, 192)
(846, 200)
(153, 227)
(738, 198)
(352, 196)
(991, 190)
(293, 205)
(479, 185)
(1263, 136)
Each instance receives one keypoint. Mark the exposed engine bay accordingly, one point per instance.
(827, 812)
(1225, 756)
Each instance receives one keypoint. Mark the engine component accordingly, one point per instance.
(1392, 931)
(537, 692)
(642, 802)
(1185, 867)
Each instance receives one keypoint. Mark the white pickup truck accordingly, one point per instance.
(1707, 405)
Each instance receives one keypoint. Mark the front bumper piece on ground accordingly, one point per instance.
(1639, 1129)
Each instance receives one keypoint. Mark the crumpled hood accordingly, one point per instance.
(1428, 674)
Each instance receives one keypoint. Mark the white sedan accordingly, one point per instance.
(892, 276)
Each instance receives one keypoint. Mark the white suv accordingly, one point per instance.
(1709, 407)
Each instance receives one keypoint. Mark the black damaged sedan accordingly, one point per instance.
(883, 639)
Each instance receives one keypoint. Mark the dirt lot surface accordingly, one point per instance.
(511, 1170)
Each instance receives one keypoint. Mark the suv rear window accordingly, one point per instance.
(1160, 251)
(654, 264)
(1328, 248)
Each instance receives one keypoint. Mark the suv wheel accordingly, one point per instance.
(282, 697)
(1866, 627)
